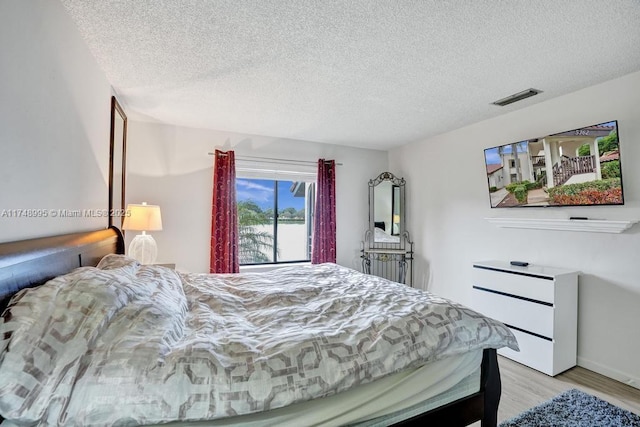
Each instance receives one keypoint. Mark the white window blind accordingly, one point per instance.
(282, 171)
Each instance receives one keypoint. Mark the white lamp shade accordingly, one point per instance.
(143, 217)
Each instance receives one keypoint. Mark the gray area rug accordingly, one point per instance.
(574, 408)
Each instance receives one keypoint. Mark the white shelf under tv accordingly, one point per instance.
(589, 225)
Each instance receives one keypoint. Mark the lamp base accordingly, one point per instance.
(143, 248)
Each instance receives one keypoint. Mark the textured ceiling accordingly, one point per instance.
(366, 73)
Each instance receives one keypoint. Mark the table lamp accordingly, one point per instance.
(143, 218)
(395, 229)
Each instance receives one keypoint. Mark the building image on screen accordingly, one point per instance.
(580, 167)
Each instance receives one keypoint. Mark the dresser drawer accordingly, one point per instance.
(531, 317)
(534, 352)
(535, 288)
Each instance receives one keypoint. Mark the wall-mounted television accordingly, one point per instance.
(579, 167)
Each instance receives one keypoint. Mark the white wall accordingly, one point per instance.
(54, 126)
(446, 219)
(169, 166)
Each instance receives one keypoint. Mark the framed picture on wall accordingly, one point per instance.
(117, 164)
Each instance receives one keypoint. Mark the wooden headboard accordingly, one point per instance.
(32, 262)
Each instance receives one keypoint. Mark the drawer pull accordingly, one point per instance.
(493, 291)
(517, 273)
(529, 333)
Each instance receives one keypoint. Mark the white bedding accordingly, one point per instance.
(380, 236)
(124, 344)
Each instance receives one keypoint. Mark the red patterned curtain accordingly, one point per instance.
(224, 215)
(323, 248)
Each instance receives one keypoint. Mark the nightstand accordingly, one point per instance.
(172, 266)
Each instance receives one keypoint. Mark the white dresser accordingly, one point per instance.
(540, 306)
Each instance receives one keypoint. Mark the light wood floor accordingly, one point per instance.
(523, 388)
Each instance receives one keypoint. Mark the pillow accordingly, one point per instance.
(51, 333)
(47, 332)
(113, 261)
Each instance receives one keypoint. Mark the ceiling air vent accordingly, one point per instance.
(517, 97)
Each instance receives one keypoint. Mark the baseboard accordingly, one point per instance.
(609, 372)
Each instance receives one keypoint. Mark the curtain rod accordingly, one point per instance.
(274, 160)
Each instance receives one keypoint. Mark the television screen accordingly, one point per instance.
(580, 167)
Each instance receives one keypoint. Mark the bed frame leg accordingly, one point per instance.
(492, 387)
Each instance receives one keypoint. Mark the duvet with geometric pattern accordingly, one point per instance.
(125, 344)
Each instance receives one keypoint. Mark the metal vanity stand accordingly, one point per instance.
(387, 250)
(401, 261)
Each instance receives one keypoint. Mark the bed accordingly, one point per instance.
(464, 372)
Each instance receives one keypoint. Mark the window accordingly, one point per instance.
(274, 220)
